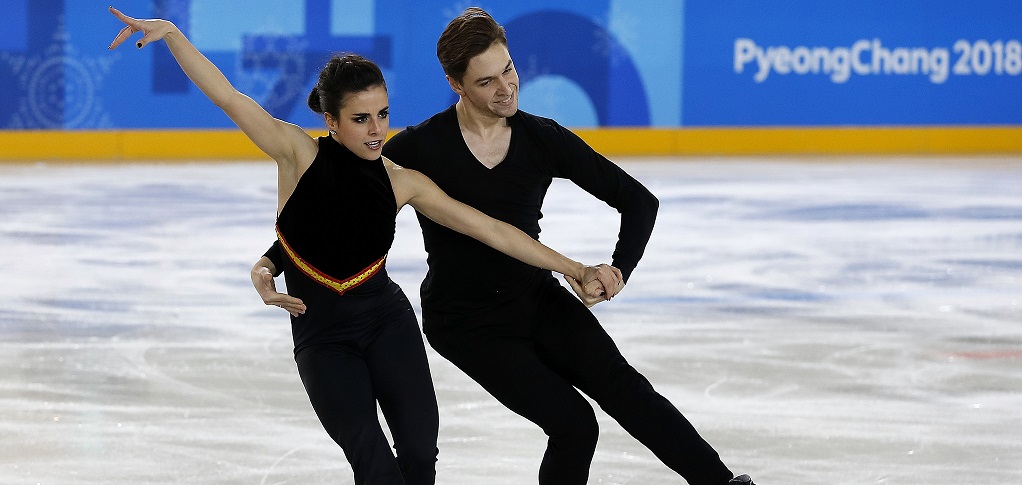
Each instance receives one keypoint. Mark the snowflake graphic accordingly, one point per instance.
(455, 9)
(272, 69)
(530, 67)
(58, 86)
(607, 47)
(626, 25)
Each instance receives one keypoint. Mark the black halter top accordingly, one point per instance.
(339, 223)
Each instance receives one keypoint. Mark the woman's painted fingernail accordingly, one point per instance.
(139, 45)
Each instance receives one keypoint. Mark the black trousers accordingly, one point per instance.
(359, 349)
(535, 353)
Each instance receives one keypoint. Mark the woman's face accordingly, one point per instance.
(363, 122)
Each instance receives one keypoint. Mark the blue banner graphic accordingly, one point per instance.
(772, 62)
(658, 63)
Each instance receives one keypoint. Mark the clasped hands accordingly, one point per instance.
(599, 283)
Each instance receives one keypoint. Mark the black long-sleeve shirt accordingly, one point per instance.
(513, 191)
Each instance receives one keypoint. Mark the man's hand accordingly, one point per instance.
(262, 280)
(601, 282)
(589, 301)
(602, 278)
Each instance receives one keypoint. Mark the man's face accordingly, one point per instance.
(490, 84)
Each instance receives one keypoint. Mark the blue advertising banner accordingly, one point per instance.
(599, 63)
(584, 63)
(871, 62)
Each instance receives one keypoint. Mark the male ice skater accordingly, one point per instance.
(523, 337)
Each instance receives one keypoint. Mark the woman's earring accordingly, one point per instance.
(332, 132)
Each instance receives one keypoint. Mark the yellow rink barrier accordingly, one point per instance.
(153, 145)
(806, 141)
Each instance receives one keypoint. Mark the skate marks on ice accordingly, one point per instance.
(848, 321)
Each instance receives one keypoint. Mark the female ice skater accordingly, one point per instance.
(357, 342)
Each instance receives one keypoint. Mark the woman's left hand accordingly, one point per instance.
(152, 29)
(588, 300)
(602, 282)
(602, 279)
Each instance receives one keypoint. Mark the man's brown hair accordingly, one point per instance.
(465, 37)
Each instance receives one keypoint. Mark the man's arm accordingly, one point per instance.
(594, 173)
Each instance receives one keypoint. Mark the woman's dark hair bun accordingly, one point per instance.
(314, 102)
(342, 75)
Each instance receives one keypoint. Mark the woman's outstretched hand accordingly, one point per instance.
(152, 29)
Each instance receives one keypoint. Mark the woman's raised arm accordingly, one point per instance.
(282, 141)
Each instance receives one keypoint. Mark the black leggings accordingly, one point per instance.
(362, 348)
(533, 352)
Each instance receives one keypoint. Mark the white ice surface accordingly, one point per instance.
(844, 321)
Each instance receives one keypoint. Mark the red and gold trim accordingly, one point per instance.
(340, 286)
